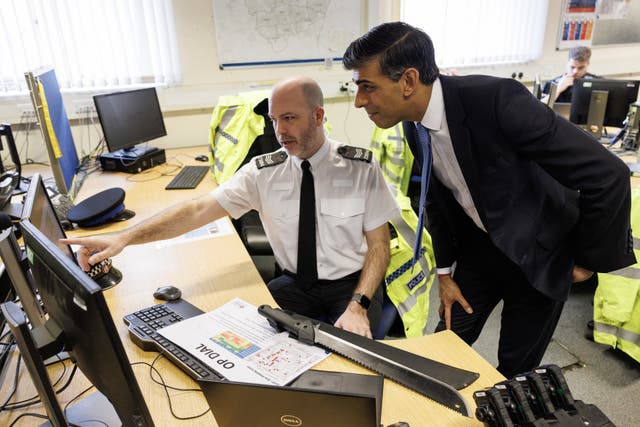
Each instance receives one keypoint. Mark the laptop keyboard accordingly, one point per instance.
(189, 177)
(144, 323)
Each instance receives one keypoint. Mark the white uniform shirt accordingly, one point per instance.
(445, 163)
(351, 197)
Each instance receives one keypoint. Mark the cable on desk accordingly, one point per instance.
(35, 399)
(166, 388)
(28, 414)
(77, 396)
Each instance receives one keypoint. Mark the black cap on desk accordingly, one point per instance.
(106, 206)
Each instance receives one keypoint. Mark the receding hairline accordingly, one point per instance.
(311, 90)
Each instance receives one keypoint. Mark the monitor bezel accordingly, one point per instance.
(107, 126)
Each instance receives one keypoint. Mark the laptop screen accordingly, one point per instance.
(241, 404)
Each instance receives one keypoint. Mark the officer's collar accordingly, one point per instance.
(316, 159)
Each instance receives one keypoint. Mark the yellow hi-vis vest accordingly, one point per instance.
(407, 288)
(616, 304)
(233, 129)
(395, 158)
(234, 126)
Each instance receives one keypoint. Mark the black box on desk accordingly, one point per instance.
(132, 164)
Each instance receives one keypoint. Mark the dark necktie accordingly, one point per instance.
(424, 141)
(307, 271)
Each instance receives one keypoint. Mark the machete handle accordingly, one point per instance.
(299, 327)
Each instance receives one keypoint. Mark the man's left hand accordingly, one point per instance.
(580, 274)
(354, 319)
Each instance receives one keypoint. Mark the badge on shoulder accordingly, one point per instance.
(355, 153)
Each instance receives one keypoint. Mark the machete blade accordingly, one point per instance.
(373, 357)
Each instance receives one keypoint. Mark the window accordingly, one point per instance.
(480, 32)
(91, 44)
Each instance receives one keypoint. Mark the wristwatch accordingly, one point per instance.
(362, 300)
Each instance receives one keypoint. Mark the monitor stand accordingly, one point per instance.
(595, 117)
(95, 407)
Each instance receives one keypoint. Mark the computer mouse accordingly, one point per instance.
(167, 293)
(202, 158)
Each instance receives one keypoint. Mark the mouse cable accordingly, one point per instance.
(166, 387)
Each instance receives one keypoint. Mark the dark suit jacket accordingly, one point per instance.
(549, 195)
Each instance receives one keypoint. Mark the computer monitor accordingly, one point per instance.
(130, 118)
(537, 87)
(18, 274)
(619, 95)
(10, 143)
(80, 320)
(55, 128)
(38, 210)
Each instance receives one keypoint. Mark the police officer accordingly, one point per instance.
(352, 207)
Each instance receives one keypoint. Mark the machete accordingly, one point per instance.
(432, 379)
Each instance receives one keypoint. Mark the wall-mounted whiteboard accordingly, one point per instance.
(268, 32)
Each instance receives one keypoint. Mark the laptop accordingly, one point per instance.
(315, 399)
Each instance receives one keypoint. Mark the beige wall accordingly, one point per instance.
(187, 106)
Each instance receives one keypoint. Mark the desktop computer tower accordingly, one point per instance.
(132, 164)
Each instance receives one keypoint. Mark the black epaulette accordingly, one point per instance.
(355, 153)
(271, 159)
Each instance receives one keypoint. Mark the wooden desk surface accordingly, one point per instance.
(211, 272)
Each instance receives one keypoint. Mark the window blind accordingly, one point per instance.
(480, 32)
(91, 44)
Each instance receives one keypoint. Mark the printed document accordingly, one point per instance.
(239, 343)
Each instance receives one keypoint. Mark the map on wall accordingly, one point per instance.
(267, 32)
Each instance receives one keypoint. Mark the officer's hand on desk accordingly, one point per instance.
(580, 274)
(96, 248)
(449, 295)
(354, 319)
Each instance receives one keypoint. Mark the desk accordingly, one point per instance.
(211, 272)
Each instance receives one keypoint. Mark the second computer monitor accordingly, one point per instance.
(129, 118)
(619, 94)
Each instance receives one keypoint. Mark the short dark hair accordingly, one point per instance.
(580, 53)
(398, 46)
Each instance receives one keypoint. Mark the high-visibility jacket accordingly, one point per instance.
(407, 288)
(233, 129)
(616, 305)
(395, 158)
(234, 126)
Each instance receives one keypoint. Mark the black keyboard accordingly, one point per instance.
(144, 323)
(189, 177)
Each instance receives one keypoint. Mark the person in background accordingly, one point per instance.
(577, 64)
(346, 265)
(520, 201)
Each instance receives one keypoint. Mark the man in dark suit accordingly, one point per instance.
(520, 202)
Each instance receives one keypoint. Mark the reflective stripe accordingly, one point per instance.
(636, 242)
(410, 236)
(621, 333)
(390, 174)
(375, 145)
(628, 272)
(224, 122)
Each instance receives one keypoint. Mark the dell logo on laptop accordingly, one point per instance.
(290, 420)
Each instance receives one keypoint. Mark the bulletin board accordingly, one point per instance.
(599, 23)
